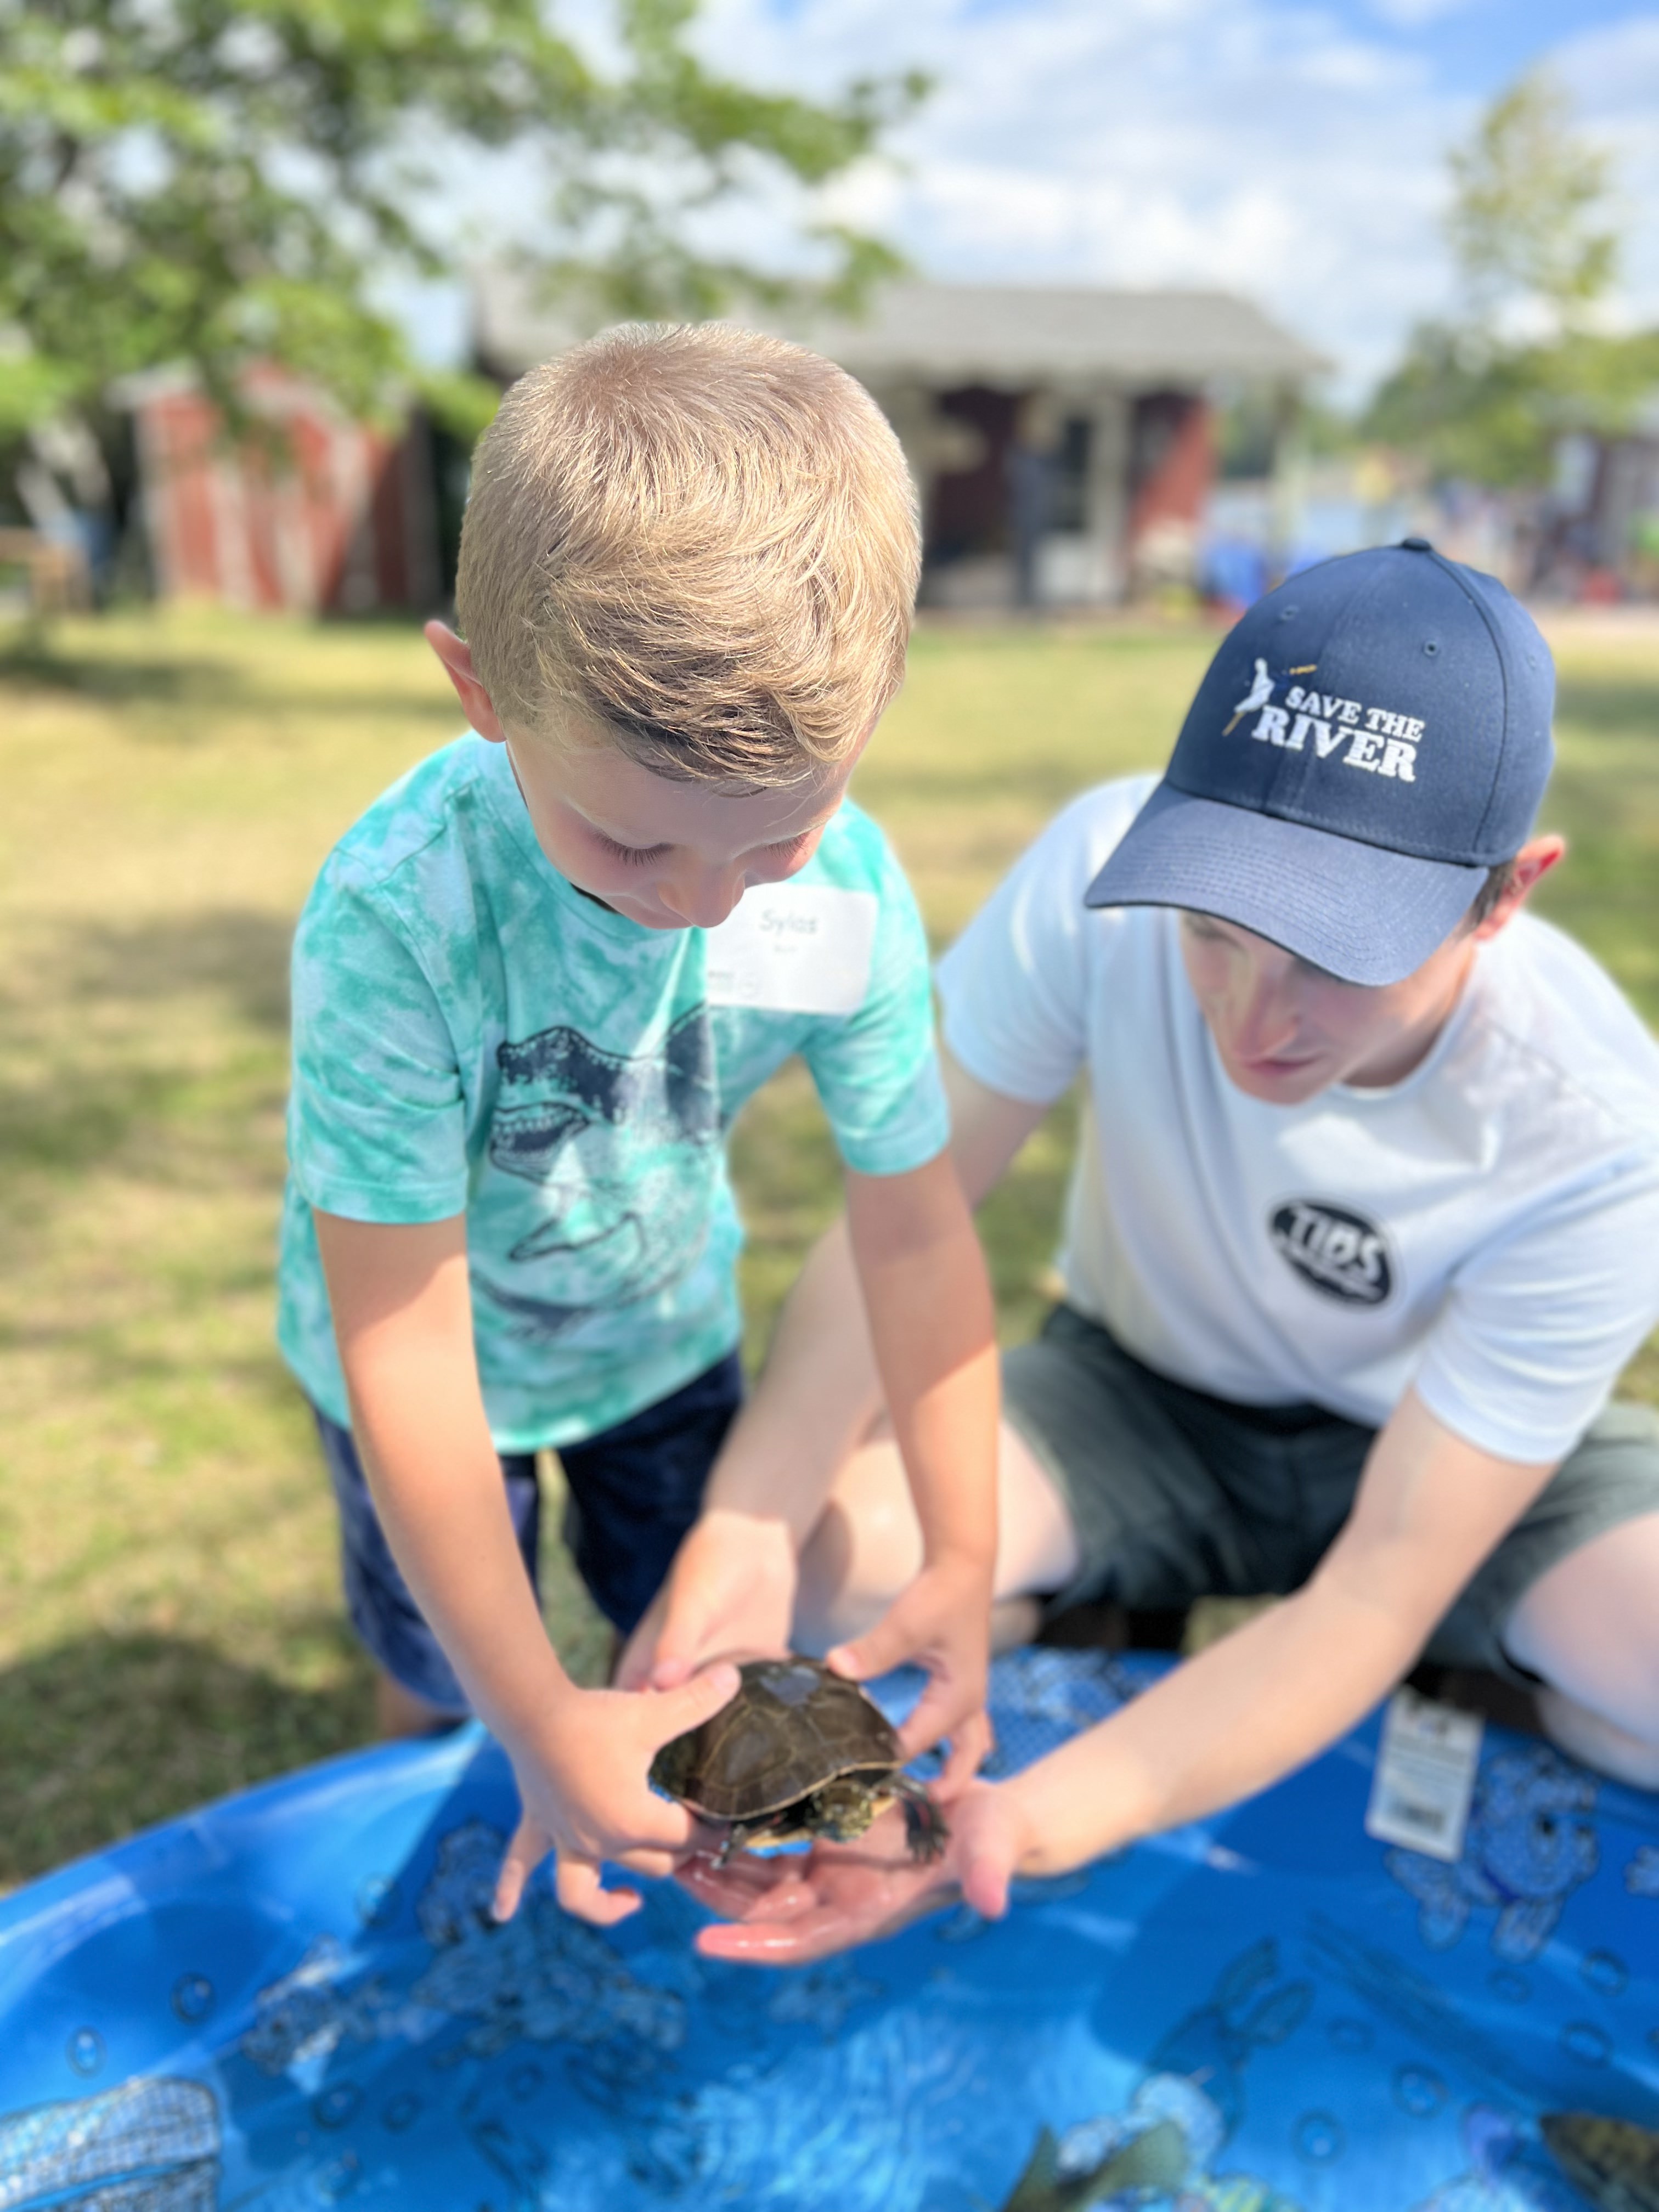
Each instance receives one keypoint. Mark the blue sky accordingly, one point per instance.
(1293, 150)
(1287, 148)
(1476, 45)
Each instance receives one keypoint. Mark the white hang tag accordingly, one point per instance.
(794, 949)
(1424, 1778)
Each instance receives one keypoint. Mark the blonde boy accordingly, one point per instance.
(686, 582)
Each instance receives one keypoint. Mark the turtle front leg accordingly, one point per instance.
(926, 1830)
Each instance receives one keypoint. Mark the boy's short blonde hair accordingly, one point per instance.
(705, 538)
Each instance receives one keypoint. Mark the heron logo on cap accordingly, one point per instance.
(1377, 739)
(1263, 686)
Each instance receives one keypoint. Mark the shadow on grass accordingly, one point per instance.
(206, 684)
(112, 1733)
(76, 1092)
(55, 1127)
(240, 950)
(1620, 709)
(41, 663)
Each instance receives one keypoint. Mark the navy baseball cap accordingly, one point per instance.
(1372, 738)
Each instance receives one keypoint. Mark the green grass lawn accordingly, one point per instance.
(170, 1623)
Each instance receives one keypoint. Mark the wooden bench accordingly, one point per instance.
(59, 583)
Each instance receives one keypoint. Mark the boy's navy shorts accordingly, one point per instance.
(631, 1493)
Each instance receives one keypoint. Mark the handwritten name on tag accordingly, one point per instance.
(1424, 1778)
(794, 949)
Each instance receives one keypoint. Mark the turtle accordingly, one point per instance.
(1614, 2163)
(799, 1752)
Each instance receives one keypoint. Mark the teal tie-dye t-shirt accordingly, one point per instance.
(471, 1033)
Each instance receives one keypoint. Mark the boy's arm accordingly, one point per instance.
(1244, 1713)
(401, 1310)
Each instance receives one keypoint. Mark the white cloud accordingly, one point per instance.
(1263, 145)
(1613, 76)
(1267, 150)
(1276, 148)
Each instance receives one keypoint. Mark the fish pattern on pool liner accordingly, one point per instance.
(539, 1977)
(316, 1962)
(303, 2018)
(1510, 2170)
(1164, 2144)
(1616, 2166)
(1531, 1841)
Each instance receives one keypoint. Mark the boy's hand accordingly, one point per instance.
(731, 1589)
(583, 1788)
(788, 1911)
(941, 1621)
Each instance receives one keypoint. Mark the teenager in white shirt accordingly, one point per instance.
(1364, 1224)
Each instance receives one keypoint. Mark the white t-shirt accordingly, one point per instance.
(1487, 1229)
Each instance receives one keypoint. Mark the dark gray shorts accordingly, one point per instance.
(1174, 1495)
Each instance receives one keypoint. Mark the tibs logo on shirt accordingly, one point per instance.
(1339, 1253)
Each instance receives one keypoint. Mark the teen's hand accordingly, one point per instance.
(584, 1792)
(731, 1587)
(941, 1621)
(787, 1911)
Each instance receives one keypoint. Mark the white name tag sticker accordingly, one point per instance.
(794, 949)
(1425, 1778)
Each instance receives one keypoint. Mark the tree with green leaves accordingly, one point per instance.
(1487, 394)
(1528, 214)
(208, 183)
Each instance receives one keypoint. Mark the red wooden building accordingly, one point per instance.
(326, 516)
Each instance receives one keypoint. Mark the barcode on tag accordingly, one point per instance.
(1425, 1778)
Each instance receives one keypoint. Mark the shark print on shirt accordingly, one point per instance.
(622, 1149)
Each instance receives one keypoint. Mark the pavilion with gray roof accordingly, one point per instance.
(1061, 437)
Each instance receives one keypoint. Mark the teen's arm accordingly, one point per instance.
(1239, 1717)
(403, 1316)
(822, 1389)
(732, 1587)
(927, 1300)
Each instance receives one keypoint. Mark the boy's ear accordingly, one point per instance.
(1527, 869)
(456, 655)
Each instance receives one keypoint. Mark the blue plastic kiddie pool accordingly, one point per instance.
(296, 1998)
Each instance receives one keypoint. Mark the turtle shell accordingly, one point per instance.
(791, 1727)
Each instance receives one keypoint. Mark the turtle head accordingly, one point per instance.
(843, 1809)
